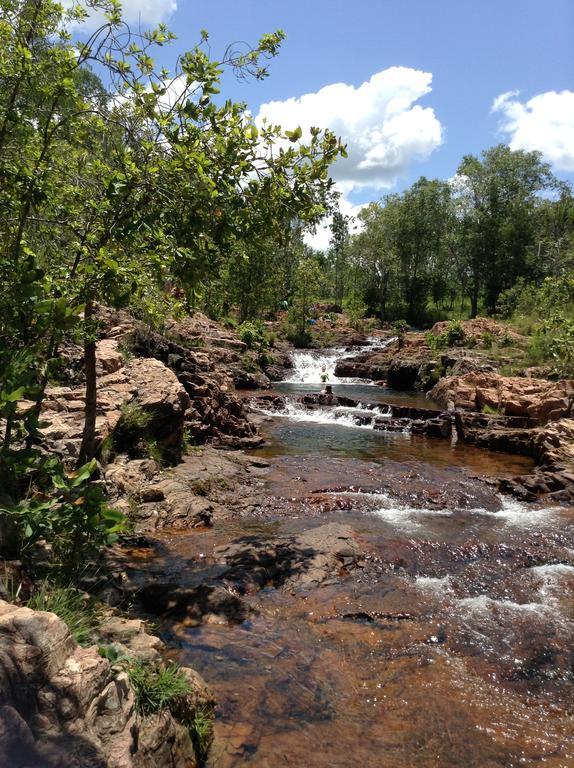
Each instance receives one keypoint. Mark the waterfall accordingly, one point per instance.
(308, 365)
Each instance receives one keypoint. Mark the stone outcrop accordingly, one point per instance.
(536, 399)
(477, 328)
(554, 476)
(214, 412)
(507, 434)
(147, 383)
(63, 706)
(412, 373)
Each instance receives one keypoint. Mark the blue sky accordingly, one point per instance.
(433, 70)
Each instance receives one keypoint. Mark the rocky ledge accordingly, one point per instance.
(63, 706)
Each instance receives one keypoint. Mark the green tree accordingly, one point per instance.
(496, 201)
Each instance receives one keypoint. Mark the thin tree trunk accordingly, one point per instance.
(88, 447)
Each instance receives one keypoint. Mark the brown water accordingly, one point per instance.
(452, 645)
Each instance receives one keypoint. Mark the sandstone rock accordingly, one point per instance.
(497, 433)
(250, 380)
(302, 561)
(537, 399)
(62, 706)
(108, 357)
(476, 328)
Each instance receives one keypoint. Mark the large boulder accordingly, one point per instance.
(62, 706)
(146, 382)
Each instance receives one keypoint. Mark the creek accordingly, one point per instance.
(451, 645)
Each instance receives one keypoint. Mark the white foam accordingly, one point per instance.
(308, 365)
(343, 416)
(433, 583)
(518, 515)
(485, 604)
(404, 516)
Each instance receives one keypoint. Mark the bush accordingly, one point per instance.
(487, 340)
(449, 338)
(70, 512)
(400, 327)
(134, 418)
(253, 334)
(301, 340)
(156, 687)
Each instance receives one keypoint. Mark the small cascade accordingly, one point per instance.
(308, 365)
(359, 416)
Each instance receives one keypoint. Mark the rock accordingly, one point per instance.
(62, 706)
(402, 373)
(498, 433)
(132, 636)
(161, 396)
(479, 326)
(537, 399)
(246, 380)
(108, 357)
(299, 561)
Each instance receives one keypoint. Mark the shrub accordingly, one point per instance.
(134, 418)
(487, 340)
(299, 339)
(253, 334)
(156, 687)
(70, 512)
(454, 333)
(248, 364)
(400, 327)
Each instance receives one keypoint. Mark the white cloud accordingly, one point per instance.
(544, 123)
(319, 239)
(384, 129)
(148, 13)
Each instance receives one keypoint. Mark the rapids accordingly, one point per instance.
(451, 646)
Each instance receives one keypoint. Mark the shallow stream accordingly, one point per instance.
(452, 645)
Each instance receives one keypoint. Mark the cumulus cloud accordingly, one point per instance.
(320, 237)
(544, 123)
(148, 13)
(383, 127)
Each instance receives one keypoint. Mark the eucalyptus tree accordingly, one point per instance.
(497, 196)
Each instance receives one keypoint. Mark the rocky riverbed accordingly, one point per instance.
(369, 577)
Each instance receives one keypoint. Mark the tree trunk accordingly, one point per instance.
(88, 447)
(474, 303)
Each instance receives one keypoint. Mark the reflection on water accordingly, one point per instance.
(285, 437)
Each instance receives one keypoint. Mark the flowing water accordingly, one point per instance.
(451, 645)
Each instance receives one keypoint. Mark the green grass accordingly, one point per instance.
(134, 417)
(156, 687)
(70, 605)
(201, 732)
